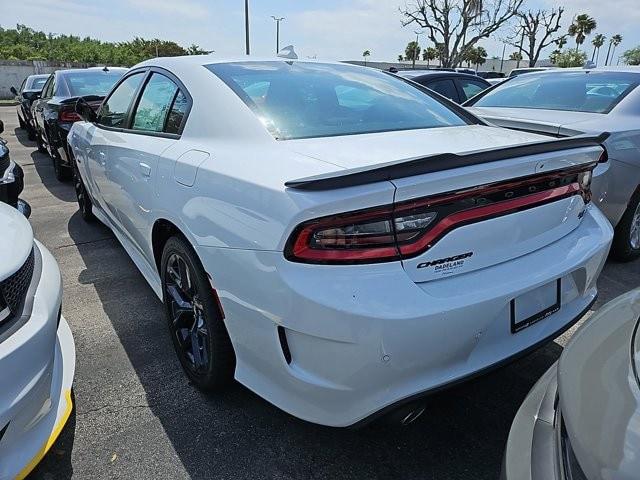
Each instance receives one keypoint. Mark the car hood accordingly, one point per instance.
(357, 151)
(542, 121)
(17, 240)
(599, 391)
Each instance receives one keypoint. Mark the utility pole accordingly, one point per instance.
(246, 26)
(278, 20)
(415, 50)
(520, 51)
(504, 47)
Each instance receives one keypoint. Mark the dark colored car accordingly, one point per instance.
(11, 179)
(490, 74)
(29, 91)
(54, 112)
(458, 87)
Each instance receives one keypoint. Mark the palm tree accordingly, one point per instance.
(400, 58)
(597, 42)
(366, 54)
(582, 26)
(615, 41)
(561, 42)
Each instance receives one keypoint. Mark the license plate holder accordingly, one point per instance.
(535, 305)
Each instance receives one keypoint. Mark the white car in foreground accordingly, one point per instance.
(337, 238)
(37, 352)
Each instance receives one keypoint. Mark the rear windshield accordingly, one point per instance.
(304, 99)
(91, 83)
(593, 92)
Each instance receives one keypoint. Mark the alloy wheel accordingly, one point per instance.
(187, 314)
(634, 235)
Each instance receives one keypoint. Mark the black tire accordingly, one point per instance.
(31, 134)
(626, 242)
(41, 147)
(195, 322)
(23, 125)
(62, 172)
(84, 202)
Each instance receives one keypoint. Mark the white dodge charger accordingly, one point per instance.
(37, 352)
(338, 239)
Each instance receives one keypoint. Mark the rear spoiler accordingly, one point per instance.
(86, 98)
(438, 163)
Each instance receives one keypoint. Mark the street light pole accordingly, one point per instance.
(415, 50)
(246, 26)
(278, 20)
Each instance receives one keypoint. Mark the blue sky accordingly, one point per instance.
(328, 29)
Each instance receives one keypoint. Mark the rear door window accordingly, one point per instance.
(113, 112)
(444, 87)
(155, 104)
(177, 113)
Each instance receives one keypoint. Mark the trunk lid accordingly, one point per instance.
(488, 215)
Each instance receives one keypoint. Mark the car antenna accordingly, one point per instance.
(105, 69)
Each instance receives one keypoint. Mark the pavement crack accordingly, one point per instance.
(76, 244)
(116, 408)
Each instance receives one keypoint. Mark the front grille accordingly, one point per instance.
(14, 289)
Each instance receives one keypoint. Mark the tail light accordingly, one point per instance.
(410, 228)
(68, 114)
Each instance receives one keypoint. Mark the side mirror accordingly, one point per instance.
(14, 91)
(85, 111)
(1, 126)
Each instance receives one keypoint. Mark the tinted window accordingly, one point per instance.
(446, 88)
(48, 90)
(595, 92)
(113, 112)
(155, 103)
(300, 99)
(177, 113)
(471, 88)
(95, 82)
(38, 83)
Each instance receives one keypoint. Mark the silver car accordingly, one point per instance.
(567, 102)
(581, 421)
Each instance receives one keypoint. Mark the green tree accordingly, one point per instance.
(614, 42)
(412, 52)
(400, 58)
(582, 26)
(632, 56)
(365, 55)
(597, 42)
(429, 54)
(517, 56)
(570, 58)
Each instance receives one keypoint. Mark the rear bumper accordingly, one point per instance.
(37, 365)
(363, 338)
(532, 448)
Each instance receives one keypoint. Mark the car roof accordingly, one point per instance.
(187, 60)
(40, 75)
(561, 71)
(91, 69)
(424, 74)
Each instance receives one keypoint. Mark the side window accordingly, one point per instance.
(177, 113)
(22, 86)
(471, 88)
(445, 87)
(113, 112)
(155, 103)
(47, 87)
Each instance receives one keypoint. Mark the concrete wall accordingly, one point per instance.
(12, 73)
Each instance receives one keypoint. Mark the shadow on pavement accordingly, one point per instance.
(237, 434)
(44, 167)
(23, 138)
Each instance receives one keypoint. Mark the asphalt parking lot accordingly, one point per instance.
(136, 416)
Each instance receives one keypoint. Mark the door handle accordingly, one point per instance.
(145, 169)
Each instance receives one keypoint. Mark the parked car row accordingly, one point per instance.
(345, 242)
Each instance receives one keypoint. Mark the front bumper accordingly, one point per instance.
(37, 365)
(532, 448)
(363, 338)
